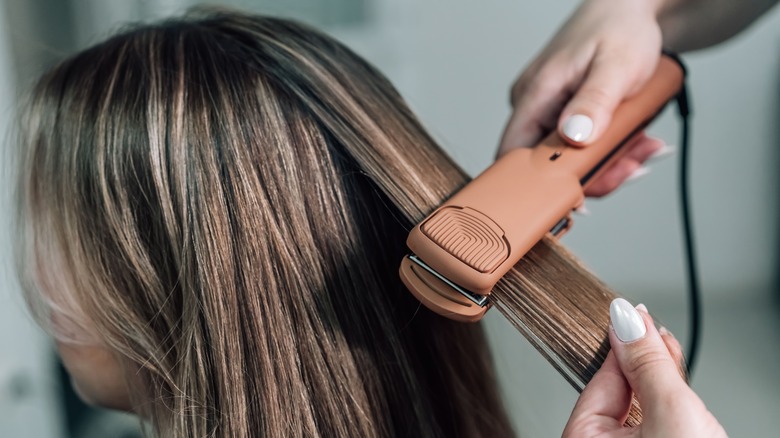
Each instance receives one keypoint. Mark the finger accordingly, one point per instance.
(589, 112)
(675, 350)
(524, 129)
(605, 401)
(638, 152)
(537, 100)
(643, 357)
(645, 148)
(613, 178)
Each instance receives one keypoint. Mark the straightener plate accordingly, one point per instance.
(479, 300)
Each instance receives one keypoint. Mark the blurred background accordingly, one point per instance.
(454, 62)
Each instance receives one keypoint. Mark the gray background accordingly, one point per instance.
(454, 62)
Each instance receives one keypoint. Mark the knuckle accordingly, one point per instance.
(606, 184)
(612, 184)
(597, 191)
(645, 361)
(545, 81)
(517, 91)
(597, 98)
(582, 428)
(524, 84)
(674, 347)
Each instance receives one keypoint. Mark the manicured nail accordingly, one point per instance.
(638, 174)
(663, 152)
(642, 307)
(578, 127)
(582, 210)
(663, 331)
(626, 321)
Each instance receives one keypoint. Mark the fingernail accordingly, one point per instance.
(642, 307)
(638, 174)
(578, 127)
(582, 210)
(626, 321)
(663, 331)
(663, 152)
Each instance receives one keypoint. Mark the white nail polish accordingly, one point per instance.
(578, 127)
(626, 320)
(638, 174)
(582, 210)
(665, 151)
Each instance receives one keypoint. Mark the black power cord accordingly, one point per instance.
(694, 292)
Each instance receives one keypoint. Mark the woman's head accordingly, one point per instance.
(218, 205)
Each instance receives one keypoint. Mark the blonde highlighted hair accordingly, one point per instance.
(223, 200)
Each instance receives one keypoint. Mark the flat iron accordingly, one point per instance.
(462, 249)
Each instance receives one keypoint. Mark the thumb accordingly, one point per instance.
(589, 112)
(644, 358)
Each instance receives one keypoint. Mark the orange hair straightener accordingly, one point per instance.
(462, 249)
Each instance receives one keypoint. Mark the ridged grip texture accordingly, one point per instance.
(468, 235)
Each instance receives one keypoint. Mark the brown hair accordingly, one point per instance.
(228, 197)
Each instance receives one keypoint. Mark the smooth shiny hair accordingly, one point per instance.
(223, 200)
(227, 198)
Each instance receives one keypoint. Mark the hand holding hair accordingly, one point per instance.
(644, 361)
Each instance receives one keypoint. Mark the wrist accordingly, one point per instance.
(656, 7)
(646, 9)
(673, 18)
